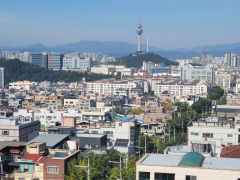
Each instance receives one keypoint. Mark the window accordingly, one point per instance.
(52, 169)
(144, 175)
(164, 176)
(108, 132)
(188, 177)
(194, 134)
(229, 135)
(209, 135)
(5, 132)
(94, 132)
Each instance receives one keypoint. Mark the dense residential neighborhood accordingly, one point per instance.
(154, 116)
(119, 90)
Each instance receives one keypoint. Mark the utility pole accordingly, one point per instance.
(139, 145)
(88, 166)
(164, 133)
(157, 145)
(182, 127)
(145, 144)
(169, 136)
(120, 164)
(181, 119)
(174, 133)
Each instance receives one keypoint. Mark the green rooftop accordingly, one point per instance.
(193, 159)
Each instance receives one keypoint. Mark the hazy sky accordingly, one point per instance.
(169, 23)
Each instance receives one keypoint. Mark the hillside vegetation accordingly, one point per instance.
(137, 60)
(16, 70)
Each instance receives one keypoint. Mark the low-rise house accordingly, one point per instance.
(32, 163)
(11, 127)
(91, 141)
(55, 164)
(209, 137)
(190, 166)
(10, 151)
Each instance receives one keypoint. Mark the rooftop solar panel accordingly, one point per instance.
(121, 142)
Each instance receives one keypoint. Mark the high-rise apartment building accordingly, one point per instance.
(231, 59)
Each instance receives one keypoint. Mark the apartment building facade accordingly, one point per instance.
(203, 73)
(111, 87)
(183, 88)
(12, 128)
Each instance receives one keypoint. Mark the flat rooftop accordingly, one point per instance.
(174, 160)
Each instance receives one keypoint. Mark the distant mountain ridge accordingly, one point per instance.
(118, 49)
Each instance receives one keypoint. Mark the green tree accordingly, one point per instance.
(150, 143)
(136, 111)
(137, 60)
(114, 174)
(179, 139)
(222, 101)
(167, 105)
(130, 171)
(182, 106)
(202, 105)
(15, 70)
(117, 109)
(216, 93)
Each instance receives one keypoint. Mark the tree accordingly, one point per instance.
(202, 105)
(15, 70)
(74, 173)
(216, 93)
(136, 111)
(222, 101)
(130, 171)
(167, 106)
(114, 174)
(181, 106)
(137, 60)
(150, 142)
(117, 109)
(179, 139)
(100, 167)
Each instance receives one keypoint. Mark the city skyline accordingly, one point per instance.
(169, 25)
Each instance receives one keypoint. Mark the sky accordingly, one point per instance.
(169, 24)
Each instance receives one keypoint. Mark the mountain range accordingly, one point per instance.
(118, 49)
